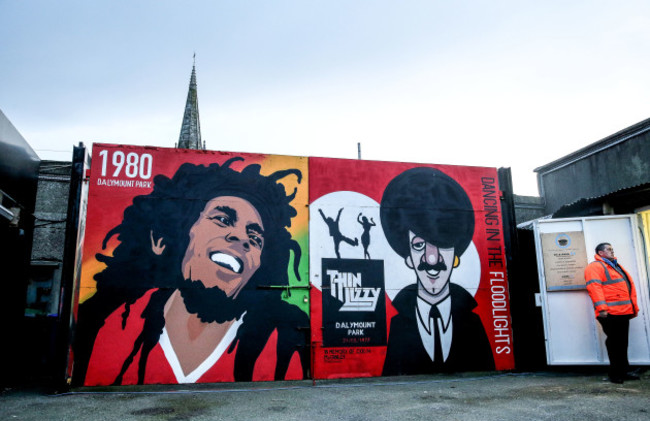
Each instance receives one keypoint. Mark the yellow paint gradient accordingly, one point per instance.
(269, 164)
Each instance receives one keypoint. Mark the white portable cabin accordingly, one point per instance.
(572, 334)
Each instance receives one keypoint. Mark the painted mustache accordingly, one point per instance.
(437, 267)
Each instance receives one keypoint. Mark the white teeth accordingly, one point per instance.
(227, 261)
(433, 273)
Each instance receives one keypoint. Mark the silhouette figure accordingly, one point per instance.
(335, 232)
(365, 237)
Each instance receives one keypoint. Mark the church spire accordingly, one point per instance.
(190, 137)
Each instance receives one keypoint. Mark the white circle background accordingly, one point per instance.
(396, 274)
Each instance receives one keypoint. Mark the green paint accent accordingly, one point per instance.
(299, 296)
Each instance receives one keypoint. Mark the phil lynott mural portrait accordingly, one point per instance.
(425, 288)
(428, 220)
(195, 289)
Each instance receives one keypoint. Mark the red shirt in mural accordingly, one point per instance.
(113, 345)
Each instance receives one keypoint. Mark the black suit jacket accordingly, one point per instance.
(470, 348)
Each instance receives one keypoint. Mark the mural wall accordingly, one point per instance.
(191, 263)
(197, 267)
(407, 268)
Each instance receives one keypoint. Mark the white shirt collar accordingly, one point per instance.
(425, 326)
(444, 307)
(211, 360)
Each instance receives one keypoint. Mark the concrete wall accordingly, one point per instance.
(528, 208)
(51, 209)
(49, 238)
(205, 266)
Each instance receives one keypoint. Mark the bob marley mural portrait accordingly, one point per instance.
(193, 282)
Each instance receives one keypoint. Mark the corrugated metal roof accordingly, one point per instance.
(632, 194)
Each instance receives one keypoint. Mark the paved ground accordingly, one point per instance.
(471, 396)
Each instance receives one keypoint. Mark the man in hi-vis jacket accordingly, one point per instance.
(612, 290)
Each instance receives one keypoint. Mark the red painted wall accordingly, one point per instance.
(196, 267)
(355, 347)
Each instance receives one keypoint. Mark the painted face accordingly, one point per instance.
(226, 245)
(432, 265)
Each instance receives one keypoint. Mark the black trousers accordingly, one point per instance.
(617, 329)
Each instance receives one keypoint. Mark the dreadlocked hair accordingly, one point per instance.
(169, 212)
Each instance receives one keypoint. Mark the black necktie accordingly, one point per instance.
(437, 346)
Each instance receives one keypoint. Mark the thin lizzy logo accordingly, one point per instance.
(346, 287)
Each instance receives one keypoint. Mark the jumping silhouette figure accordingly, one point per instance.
(365, 237)
(335, 232)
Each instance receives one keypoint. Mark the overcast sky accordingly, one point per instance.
(490, 83)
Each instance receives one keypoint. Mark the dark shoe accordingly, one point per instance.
(631, 376)
(616, 380)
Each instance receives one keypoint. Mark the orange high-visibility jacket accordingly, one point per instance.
(608, 289)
